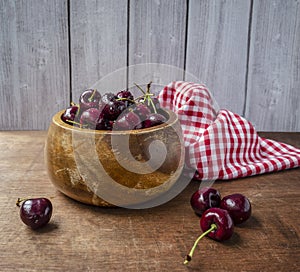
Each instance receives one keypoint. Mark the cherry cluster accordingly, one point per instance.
(119, 111)
(218, 215)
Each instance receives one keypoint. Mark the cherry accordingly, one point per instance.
(127, 97)
(125, 94)
(222, 220)
(215, 223)
(35, 212)
(70, 114)
(113, 109)
(103, 112)
(238, 206)
(204, 199)
(103, 124)
(153, 104)
(90, 117)
(128, 121)
(154, 119)
(89, 99)
(142, 110)
(107, 97)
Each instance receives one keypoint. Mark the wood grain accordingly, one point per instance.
(156, 35)
(274, 70)
(86, 238)
(217, 49)
(34, 70)
(98, 44)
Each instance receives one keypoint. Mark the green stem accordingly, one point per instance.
(140, 88)
(20, 200)
(92, 96)
(76, 123)
(188, 257)
(151, 102)
(149, 86)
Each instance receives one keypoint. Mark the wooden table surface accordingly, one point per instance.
(86, 238)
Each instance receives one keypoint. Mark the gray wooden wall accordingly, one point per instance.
(246, 51)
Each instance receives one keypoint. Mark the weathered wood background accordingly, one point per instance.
(247, 52)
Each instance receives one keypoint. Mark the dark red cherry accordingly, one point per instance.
(128, 121)
(215, 223)
(221, 219)
(134, 120)
(125, 95)
(113, 109)
(205, 198)
(102, 123)
(152, 103)
(107, 97)
(142, 111)
(122, 124)
(89, 99)
(154, 119)
(69, 114)
(89, 118)
(35, 212)
(238, 206)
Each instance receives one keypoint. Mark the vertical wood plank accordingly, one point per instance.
(217, 48)
(34, 74)
(98, 44)
(157, 36)
(273, 100)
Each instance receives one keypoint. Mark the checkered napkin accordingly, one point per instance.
(221, 144)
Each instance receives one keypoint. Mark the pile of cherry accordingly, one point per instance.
(120, 111)
(218, 215)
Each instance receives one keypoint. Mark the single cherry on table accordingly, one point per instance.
(35, 212)
(238, 206)
(205, 198)
(215, 223)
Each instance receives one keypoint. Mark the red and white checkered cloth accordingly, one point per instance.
(221, 144)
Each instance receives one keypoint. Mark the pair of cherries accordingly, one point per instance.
(218, 215)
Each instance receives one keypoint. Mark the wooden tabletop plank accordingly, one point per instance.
(86, 238)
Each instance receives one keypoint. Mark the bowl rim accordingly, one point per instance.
(173, 118)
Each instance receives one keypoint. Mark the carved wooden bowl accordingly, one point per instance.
(97, 166)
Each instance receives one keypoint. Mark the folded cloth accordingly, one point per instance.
(221, 144)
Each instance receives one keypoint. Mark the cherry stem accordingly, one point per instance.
(151, 102)
(76, 123)
(147, 95)
(140, 88)
(92, 96)
(20, 200)
(126, 99)
(188, 257)
(144, 96)
(149, 86)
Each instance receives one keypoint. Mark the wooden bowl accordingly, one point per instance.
(91, 166)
